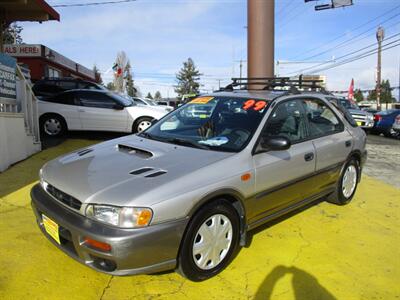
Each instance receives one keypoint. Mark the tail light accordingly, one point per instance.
(377, 118)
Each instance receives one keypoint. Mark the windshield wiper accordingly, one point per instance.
(183, 142)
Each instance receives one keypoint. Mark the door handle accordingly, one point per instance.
(348, 143)
(309, 156)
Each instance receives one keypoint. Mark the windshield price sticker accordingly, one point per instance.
(255, 105)
(201, 100)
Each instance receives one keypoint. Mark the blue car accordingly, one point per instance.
(383, 121)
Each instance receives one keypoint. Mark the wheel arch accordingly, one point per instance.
(234, 198)
(136, 121)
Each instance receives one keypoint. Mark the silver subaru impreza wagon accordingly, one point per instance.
(184, 193)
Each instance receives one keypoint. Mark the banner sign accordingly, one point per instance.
(7, 77)
(23, 50)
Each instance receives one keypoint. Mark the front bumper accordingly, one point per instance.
(133, 251)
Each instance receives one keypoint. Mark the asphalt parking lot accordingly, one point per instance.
(323, 252)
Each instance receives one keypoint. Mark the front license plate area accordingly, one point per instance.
(51, 228)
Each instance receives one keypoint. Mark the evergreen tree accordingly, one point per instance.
(12, 33)
(149, 96)
(97, 75)
(157, 96)
(188, 79)
(358, 95)
(386, 93)
(110, 86)
(130, 88)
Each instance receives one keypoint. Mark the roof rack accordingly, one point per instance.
(293, 85)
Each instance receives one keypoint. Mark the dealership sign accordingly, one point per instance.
(7, 77)
(23, 50)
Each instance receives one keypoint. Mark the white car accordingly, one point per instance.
(96, 110)
(149, 102)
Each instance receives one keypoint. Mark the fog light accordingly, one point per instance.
(97, 245)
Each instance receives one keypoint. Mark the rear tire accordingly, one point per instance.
(210, 242)
(52, 125)
(141, 124)
(347, 183)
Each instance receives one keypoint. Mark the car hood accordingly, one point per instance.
(151, 111)
(120, 171)
(358, 112)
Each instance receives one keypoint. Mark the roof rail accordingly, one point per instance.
(293, 85)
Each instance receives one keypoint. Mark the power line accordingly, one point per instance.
(343, 56)
(355, 29)
(93, 3)
(352, 40)
(361, 56)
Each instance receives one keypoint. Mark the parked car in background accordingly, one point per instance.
(363, 118)
(98, 110)
(396, 126)
(149, 102)
(184, 193)
(384, 122)
(49, 87)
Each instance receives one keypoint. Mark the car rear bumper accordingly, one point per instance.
(133, 251)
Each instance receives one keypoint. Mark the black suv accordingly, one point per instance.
(51, 86)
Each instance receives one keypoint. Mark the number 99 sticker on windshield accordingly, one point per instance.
(254, 105)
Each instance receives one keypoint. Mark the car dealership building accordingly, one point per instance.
(45, 62)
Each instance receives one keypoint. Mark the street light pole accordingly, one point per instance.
(380, 35)
(260, 39)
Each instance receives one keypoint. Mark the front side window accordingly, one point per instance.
(288, 120)
(216, 123)
(321, 119)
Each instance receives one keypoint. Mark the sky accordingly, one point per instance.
(158, 35)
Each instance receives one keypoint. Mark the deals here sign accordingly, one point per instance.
(7, 77)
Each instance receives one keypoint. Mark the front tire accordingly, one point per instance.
(347, 183)
(210, 241)
(141, 124)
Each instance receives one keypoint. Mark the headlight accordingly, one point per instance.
(370, 117)
(124, 217)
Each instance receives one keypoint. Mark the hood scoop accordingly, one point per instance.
(84, 151)
(154, 173)
(135, 151)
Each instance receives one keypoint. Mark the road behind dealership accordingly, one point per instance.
(383, 160)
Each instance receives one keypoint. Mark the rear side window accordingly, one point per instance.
(321, 119)
(97, 100)
(63, 98)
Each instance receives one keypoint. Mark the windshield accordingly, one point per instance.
(216, 123)
(149, 102)
(348, 104)
(121, 100)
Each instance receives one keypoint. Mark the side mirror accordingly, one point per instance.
(275, 143)
(154, 121)
(118, 107)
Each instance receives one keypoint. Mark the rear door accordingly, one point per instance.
(98, 112)
(283, 177)
(333, 143)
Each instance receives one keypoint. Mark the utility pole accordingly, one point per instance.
(241, 61)
(380, 35)
(260, 39)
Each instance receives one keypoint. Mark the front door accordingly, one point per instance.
(97, 112)
(283, 176)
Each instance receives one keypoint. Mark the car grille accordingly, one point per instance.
(63, 197)
(360, 118)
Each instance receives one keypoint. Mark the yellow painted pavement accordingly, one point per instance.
(323, 252)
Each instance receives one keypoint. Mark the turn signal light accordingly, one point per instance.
(98, 245)
(245, 177)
